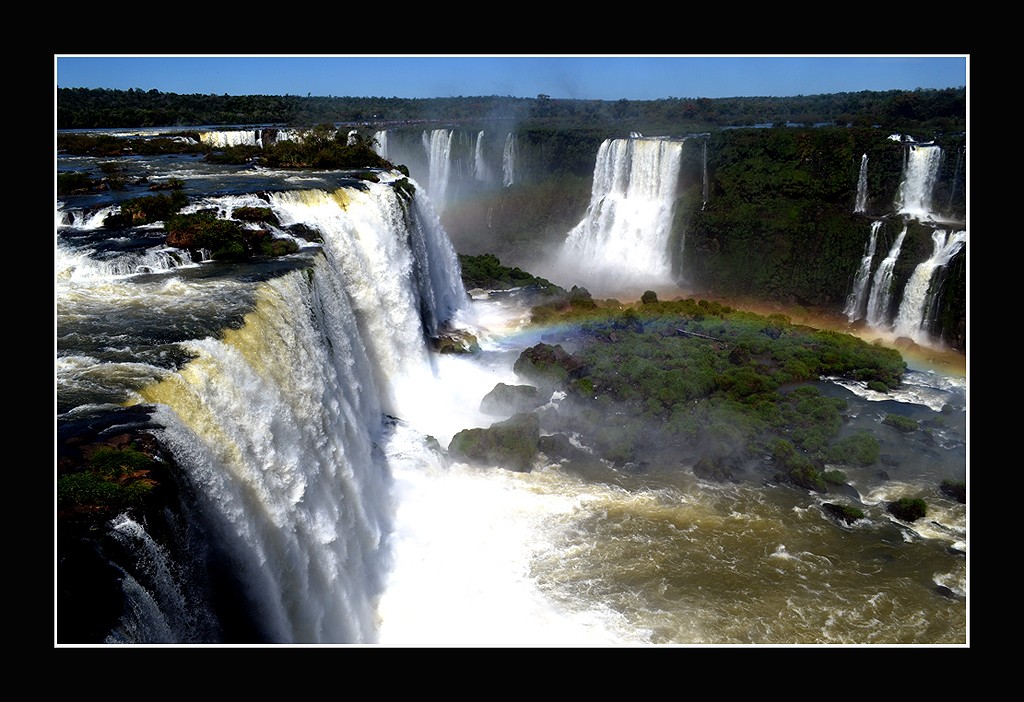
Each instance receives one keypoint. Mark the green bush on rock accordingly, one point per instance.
(225, 239)
(908, 509)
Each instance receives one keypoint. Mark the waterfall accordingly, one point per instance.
(920, 173)
(881, 287)
(856, 301)
(508, 160)
(480, 170)
(438, 145)
(911, 318)
(380, 143)
(165, 609)
(279, 423)
(624, 239)
(237, 137)
(704, 173)
(862, 186)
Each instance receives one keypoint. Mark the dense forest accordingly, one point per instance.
(941, 111)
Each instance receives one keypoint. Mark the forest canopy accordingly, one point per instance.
(918, 110)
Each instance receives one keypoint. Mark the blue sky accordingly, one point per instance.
(600, 77)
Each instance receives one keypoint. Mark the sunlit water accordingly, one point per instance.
(489, 557)
(483, 556)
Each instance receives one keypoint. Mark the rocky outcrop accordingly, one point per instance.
(549, 366)
(509, 444)
(511, 399)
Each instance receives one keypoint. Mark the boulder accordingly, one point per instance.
(511, 399)
(509, 444)
(549, 366)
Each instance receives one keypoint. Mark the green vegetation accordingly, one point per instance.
(511, 443)
(727, 389)
(904, 424)
(859, 449)
(843, 513)
(147, 210)
(111, 478)
(225, 239)
(945, 110)
(908, 509)
(486, 272)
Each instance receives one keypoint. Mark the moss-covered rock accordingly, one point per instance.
(549, 366)
(509, 444)
(842, 513)
(908, 509)
(714, 469)
(225, 239)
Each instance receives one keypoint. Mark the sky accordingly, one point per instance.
(589, 77)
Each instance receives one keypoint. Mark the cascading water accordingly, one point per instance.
(911, 319)
(481, 171)
(222, 139)
(272, 383)
(857, 299)
(862, 186)
(438, 145)
(624, 239)
(881, 286)
(920, 172)
(380, 143)
(508, 160)
(704, 172)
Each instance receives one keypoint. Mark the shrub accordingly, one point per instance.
(861, 449)
(898, 421)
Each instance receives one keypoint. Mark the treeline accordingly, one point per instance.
(935, 111)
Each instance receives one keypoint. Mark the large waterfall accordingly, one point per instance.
(302, 417)
(920, 172)
(857, 300)
(881, 286)
(508, 160)
(624, 239)
(438, 145)
(279, 421)
(481, 171)
(911, 318)
(904, 312)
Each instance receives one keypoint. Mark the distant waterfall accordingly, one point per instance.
(222, 139)
(920, 173)
(438, 145)
(704, 172)
(279, 422)
(481, 170)
(508, 160)
(857, 299)
(624, 238)
(862, 186)
(911, 318)
(881, 287)
(380, 143)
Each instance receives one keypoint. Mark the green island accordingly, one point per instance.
(695, 384)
